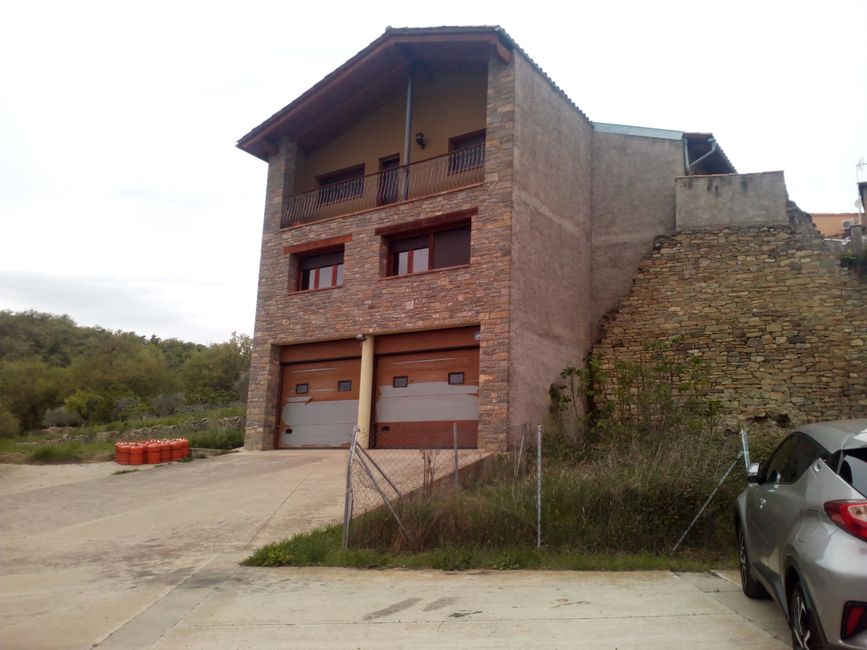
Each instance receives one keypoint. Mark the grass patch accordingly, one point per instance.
(217, 438)
(123, 471)
(83, 448)
(176, 419)
(321, 547)
(71, 452)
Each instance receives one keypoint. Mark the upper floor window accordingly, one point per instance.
(467, 152)
(320, 270)
(341, 185)
(425, 251)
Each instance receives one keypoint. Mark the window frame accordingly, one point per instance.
(337, 275)
(393, 256)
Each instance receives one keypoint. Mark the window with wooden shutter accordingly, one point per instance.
(437, 249)
(320, 270)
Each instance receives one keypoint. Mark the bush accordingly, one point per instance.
(217, 439)
(72, 452)
(9, 425)
(61, 417)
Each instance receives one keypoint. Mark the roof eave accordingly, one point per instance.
(261, 140)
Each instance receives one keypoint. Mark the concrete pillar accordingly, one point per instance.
(856, 237)
(365, 391)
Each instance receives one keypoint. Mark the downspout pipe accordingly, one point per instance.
(407, 133)
(713, 149)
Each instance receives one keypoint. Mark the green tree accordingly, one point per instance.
(215, 373)
(29, 387)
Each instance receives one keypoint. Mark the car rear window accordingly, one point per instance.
(851, 465)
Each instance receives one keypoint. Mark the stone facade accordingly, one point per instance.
(372, 303)
(782, 325)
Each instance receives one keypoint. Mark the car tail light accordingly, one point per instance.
(854, 619)
(851, 516)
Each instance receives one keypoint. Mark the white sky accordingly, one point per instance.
(124, 203)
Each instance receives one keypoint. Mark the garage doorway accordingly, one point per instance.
(419, 395)
(319, 403)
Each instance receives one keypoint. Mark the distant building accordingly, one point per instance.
(834, 224)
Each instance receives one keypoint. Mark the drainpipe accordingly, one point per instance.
(365, 391)
(407, 133)
(713, 149)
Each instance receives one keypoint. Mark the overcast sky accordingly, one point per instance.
(124, 202)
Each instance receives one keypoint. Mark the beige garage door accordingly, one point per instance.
(420, 395)
(319, 403)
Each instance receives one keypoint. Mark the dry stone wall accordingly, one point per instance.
(782, 325)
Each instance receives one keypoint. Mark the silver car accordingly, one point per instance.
(802, 533)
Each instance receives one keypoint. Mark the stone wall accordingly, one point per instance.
(782, 325)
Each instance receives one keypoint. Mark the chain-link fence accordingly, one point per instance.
(422, 499)
(401, 498)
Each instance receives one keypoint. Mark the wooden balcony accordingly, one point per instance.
(404, 183)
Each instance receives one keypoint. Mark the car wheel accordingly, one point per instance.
(752, 587)
(802, 620)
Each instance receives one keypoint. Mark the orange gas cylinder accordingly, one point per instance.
(152, 452)
(121, 453)
(136, 454)
(165, 451)
(177, 449)
(186, 447)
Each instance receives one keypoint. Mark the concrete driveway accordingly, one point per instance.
(84, 550)
(150, 560)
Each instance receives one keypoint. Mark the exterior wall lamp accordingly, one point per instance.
(419, 139)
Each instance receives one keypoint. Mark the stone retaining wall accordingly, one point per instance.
(782, 325)
(155, 432)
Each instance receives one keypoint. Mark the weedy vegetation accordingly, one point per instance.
(631, 452)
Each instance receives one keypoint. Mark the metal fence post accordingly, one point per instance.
(538, 486)
(457, 464)
(347, 498)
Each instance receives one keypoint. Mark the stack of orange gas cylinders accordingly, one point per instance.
(150, 452)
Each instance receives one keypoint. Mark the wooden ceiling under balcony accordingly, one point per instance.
(369, 80)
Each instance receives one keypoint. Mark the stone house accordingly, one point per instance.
(444, 230)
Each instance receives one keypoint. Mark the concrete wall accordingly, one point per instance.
(444, 106)
(717, 201)
(783, 327)
(371, 302)
(551, 286)
(633, 202)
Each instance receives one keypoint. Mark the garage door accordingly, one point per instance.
(420, 395)
(319, 403)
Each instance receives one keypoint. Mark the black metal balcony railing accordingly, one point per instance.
(442, 173)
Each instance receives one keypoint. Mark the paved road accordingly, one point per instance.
(150, 560)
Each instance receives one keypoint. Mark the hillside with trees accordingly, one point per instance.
(56, 373)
